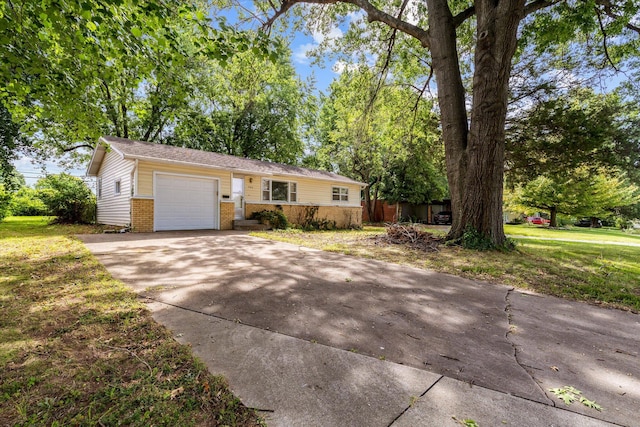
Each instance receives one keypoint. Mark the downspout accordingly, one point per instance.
(135, 178)
(134, 184)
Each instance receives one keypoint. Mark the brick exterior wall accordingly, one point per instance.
(227, 213)
(142, 215)
(344, 216)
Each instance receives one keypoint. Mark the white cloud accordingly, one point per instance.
(341, 66)
(302, 52)
(333, 34)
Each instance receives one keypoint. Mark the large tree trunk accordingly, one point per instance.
(553, 216)
(475, 152)
(451, 100)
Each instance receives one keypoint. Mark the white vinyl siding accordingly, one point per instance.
(114, 209)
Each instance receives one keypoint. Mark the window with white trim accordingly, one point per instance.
(99, 188)
(279, 191)
(117, 187)
(340, 194)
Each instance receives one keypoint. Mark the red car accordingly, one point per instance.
(537, 220)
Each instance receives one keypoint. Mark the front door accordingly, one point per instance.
(237, 190)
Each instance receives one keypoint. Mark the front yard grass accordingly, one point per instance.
(591, 272)
(78, 348)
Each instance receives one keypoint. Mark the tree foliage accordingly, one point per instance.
(579, 192)
(382, 137)
(26, 202)
(5, 200)
(67, 197)
(79, 69)
(578, 129)
(252, 107)
(11, 143)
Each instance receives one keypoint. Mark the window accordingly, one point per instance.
(279, 191)
(116, 188)
(340, 194)
(99, 188)
(293, 192)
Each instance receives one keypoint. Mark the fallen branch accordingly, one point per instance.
(411, 236)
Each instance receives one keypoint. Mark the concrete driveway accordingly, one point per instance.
(443, 334)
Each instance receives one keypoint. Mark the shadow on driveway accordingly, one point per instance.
(483, 334)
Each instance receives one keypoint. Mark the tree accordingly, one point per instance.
(252, 107)
(79, 69)
(381, 137)
(12, 179)
(11, 144)
(26, 202)
(580, 192)
(67, 197)
(576, 129)
(474, 140)
(5, 200)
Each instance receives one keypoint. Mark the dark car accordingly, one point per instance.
(586, 222)
(443, 217)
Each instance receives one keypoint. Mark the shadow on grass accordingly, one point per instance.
(78, 348)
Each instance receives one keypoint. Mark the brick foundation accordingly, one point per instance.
(142, 215)
(344, 217)
(227, 213)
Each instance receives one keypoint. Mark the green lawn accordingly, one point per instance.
(593, 272)
(573, 233)
(78, 348)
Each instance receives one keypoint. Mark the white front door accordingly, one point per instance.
(185, 202)
(237, 190)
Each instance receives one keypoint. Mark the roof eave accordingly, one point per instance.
(201, 165)
(96, 160)
(98, 156)
(231, 169)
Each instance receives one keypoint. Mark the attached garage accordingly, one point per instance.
(185, 202)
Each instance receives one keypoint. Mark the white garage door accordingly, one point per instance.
(185, 203)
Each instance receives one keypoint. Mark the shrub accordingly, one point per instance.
(67, 197)
(276, 219)
(27, 202)
(312, 222)
(473, 239)
(5, 199)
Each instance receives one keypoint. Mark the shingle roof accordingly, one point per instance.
(166, 153)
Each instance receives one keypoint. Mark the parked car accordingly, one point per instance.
(586, 222)
(537, 220)
(443, 217)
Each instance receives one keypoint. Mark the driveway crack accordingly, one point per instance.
(413, 402)
(516, 351)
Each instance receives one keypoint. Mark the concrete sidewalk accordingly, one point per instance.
(293, 382)
(279, 320)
